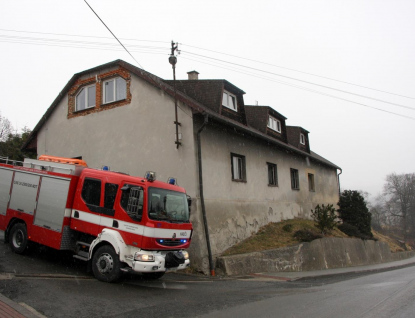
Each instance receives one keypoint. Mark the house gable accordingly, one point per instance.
(97, 81)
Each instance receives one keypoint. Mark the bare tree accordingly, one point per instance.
(5, 128)
(399, 191)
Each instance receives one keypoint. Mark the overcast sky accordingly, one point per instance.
(343, 70)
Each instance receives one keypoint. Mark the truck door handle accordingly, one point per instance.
(76, 215)
(114, 223)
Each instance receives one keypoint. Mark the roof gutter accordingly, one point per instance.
(202, 198)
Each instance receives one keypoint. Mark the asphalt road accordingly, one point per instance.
(56, 285)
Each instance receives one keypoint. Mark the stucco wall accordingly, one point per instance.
(235, 210)
(133, 138)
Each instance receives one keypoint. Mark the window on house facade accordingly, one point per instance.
(311, 186)
(229, 100)
(272, 174)
(238, 167)
(85, 98)
(274, 124)
(295, 181)
(115, 89)
(302, 139)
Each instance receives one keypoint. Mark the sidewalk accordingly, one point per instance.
(288, 276)
(11, 309)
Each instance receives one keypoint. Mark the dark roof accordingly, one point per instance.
(188, 100)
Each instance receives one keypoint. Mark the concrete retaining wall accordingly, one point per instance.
(319, 254)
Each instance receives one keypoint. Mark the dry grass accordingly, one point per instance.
(276, 235)
(281, 234)
(394, 245)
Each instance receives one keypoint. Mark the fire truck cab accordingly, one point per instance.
(116, 222)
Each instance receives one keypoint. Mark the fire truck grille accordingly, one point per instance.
(171, 242)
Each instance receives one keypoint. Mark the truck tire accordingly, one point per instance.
(106, 264)
(153, 276)
(18, 238)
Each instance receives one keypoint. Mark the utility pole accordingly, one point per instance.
(173, 61)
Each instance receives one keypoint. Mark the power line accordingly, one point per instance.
(310, 90)
(294, 70)
(78, 35)
(296, 79)
(15, 39)
(113, 34)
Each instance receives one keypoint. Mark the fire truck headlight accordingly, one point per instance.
(185, 254)
(143, 257)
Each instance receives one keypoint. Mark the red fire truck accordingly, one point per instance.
(116, 222)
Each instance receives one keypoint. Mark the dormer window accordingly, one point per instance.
(115, 89)
(302, 139)
(85, 98)
(229, 101)
(274, 124)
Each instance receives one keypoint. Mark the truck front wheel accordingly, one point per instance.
(106, 264)
(18, 238)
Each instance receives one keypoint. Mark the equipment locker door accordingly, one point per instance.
(6, 177)
(25, 186)
(51, 203)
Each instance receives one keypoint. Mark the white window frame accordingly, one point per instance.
(226, 97)
(86, 88)
(302, 139)
(104, 90)
(274, 124)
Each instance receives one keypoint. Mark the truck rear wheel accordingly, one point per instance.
(18, 238)
(106, 264)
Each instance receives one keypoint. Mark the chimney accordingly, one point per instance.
(193, 75)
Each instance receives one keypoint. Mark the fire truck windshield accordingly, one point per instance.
(166, 205)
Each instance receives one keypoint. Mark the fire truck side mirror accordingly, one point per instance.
(189, 202)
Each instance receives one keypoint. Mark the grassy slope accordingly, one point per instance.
(276, 235)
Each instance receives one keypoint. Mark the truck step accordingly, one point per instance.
(83, 243)
(82, 255)
(82, 258)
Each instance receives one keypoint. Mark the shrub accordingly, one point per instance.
(352, 230)
(325, 217)
(287, 228)
(353, 210)
(306, 235)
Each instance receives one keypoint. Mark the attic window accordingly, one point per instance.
(274, 124)
(115, 89)
(85, 98)
(229, 101)
(302, 139)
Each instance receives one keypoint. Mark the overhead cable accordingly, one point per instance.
(296, 79)
(294, 70)
(113, 34)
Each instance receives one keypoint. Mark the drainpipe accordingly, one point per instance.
(202, 199)
(338, 180)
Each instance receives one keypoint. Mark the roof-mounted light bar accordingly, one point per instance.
(150, 176)
(172, 181)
